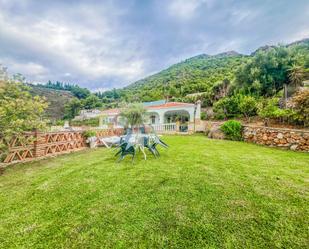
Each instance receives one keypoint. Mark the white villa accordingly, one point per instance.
(163, 116)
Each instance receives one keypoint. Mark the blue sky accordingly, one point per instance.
(105, 44)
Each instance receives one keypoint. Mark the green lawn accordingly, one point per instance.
(201, 193)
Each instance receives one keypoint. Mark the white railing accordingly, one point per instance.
(164, 128)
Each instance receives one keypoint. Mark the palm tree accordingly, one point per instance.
(296, 75)
(134, 114)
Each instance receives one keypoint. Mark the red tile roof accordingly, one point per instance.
(116, 111)
(169, 105)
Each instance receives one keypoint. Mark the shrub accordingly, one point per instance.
(93, 122)
(269, 109)
(248, 106)
(227, 107)
(203, 116)
(19, 112)
(300, 105)
(89, 133)
(232, 129)
(60, 122)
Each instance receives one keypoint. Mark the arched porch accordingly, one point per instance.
(181, 116)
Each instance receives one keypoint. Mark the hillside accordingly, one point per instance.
(213, 76)
(196, 74)
(56, 99)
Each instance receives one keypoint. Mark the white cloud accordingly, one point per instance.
(183, 9)
(186, 9)
(101, 44)
(27, 69)
(92, 51)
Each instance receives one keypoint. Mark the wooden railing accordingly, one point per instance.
(33, 145)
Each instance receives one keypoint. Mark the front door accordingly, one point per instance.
(153, 119)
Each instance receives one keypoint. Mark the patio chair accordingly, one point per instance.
(125, 149)
(151, 146)
(128, 131)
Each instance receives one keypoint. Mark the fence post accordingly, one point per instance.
(35, 143)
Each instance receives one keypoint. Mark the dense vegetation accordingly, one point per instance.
(77, 91)
(202, 74)
(66, 108)
(19, 112)
(57, 100)
(234, 85)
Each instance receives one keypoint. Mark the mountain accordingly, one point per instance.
(300, 42)
(196, 74)
(57, 99)
(199, 74)
(266, 48)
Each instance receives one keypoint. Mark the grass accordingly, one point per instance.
(201, 193)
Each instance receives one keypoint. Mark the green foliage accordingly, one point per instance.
(57, 99)
(134, 114)
(89, 133)
(232, 130)
(227, 107)
(91, 102)
(267, 71)
(203, 115)
(60, 122)
(300, 102)
(269, 109)
(73, 108)
(93, 122)
(296, 75)
(19, 111)
(214, 77)
(197, 74)
(77, 91)
(247, 106)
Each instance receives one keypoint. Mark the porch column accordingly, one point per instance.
(191, 114)
(198, 110)
(161, 116)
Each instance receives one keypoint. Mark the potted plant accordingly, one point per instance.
(90, 138)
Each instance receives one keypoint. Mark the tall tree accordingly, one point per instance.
(19, 112)
(72, 109)
(296, 75)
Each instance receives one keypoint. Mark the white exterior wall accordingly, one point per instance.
(159, 113)
(190, 109)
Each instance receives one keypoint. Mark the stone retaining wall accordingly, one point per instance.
(277, 137)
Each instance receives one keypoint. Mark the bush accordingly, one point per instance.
(269, 109)
(248, 106)
(203, 116)
(89, 133)
(92, 122)
(300, 105)
(227, 107)
(232, 129)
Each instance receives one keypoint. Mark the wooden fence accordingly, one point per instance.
(33, 145)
